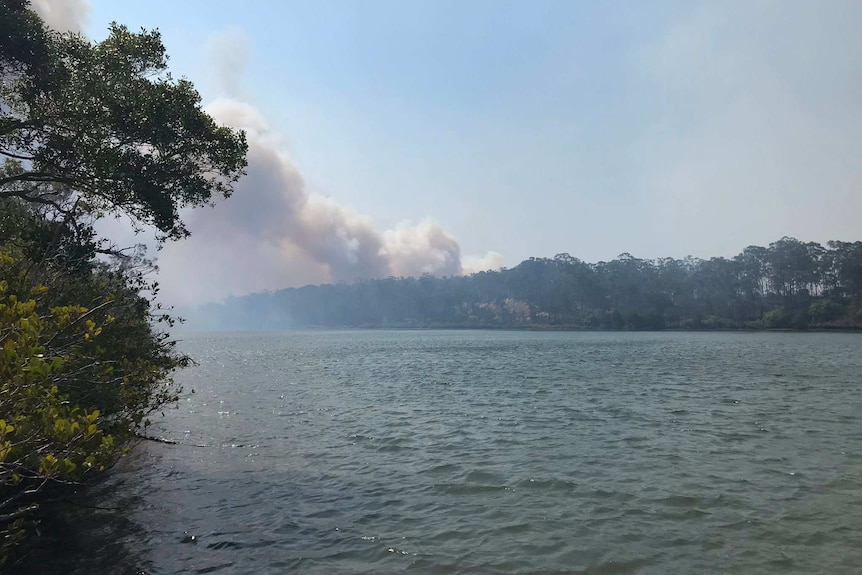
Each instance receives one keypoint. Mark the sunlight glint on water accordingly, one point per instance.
(502, 452)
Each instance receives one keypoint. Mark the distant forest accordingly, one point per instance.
(788, 285)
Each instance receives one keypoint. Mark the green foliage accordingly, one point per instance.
(76, 381)
(24, 45)
(787, 285)
(87, 130)
(45, 439)
(715, 322)
(107, 123)
(777, 318)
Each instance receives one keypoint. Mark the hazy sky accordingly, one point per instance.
(406, 136)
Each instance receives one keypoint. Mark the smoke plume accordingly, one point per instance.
(274, 233)
(63, 15)
(490, 261)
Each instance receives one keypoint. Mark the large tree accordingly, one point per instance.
(87, 130)
(103, 128)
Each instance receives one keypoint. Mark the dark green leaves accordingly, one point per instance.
(107, 123)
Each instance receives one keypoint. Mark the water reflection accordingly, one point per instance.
(96, 531)
(449, 452)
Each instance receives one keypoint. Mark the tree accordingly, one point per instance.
(46, 439)
(86, 131)
(24, 46)
(846, 263)
(103, 128)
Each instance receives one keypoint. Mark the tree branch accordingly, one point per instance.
(24, 511)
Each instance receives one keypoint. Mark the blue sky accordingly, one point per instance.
(532, 128)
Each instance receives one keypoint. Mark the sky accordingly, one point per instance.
(404, 137)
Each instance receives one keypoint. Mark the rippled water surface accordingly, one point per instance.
(499, 452)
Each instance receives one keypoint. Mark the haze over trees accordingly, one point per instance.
(87, 130)
(789, 284)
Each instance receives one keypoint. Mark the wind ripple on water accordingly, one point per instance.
(494, 452)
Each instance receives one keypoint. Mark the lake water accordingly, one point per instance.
(497, 452)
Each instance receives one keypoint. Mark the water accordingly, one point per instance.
(497, 452)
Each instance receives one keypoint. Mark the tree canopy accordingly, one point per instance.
(103, 128)
(788, 284)
(87, 130)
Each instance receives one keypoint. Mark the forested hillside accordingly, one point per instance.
(790, 284)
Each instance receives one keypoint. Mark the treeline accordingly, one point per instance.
(788, 285)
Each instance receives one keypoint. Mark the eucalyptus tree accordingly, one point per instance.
(846, 264)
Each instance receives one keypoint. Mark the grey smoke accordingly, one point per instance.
(273, 204)
(63, 15)
(230, 50)
(274, 233)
